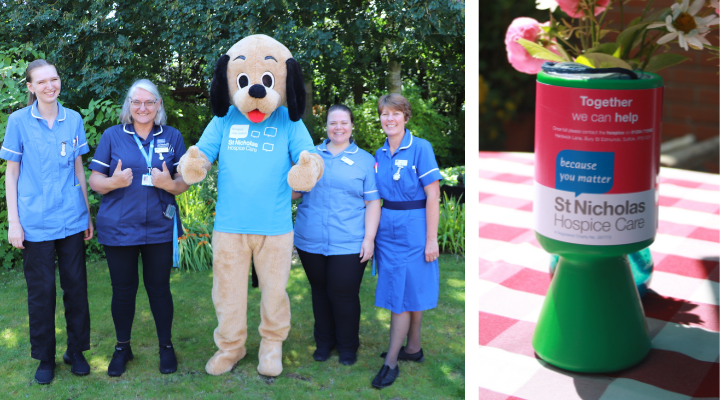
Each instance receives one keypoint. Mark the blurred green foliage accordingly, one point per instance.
(504, 92)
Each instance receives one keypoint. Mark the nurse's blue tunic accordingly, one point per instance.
(406, 282)
(51, 203)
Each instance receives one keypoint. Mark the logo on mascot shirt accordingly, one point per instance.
(239, 131)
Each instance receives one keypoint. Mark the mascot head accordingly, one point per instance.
(258, 75)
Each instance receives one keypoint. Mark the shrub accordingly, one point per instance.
(451, 226)
(197, 212)
(453, 176)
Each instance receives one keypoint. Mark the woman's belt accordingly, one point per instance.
(404, 205)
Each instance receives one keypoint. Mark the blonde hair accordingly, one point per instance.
(397, 102)
(126, 116)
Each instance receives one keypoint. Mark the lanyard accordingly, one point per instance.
(148, 160)
(176, 245)
(148, 157)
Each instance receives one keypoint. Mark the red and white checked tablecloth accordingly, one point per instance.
(681, 306)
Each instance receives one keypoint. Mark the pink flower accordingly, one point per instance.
(572, 7)
(519, 58)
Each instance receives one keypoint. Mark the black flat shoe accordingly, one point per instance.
(45, 372)
(403, 356)
(121, 356)
(321, 354)
(79, 364)
(168, 361)
(348, 358)
(386, 376)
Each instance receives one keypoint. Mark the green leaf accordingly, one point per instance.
(539, 52)
(665, 60)
(626, 39)
(605, 48)
(600, 60)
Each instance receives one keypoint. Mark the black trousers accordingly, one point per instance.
(39, 269)
(335, 284)
(157, 263)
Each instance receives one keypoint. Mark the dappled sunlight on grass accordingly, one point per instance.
(9, 338)
(441, 376)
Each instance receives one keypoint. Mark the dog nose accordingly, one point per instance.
(257, 91)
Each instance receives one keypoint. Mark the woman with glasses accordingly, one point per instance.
(48, 215)
(134, 168)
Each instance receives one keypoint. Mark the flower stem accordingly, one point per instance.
(646, 9)
(647, 59)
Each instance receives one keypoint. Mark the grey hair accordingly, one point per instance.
(126, 116)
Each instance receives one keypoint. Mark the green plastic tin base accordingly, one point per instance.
(592, 319)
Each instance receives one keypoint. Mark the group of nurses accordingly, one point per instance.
(135, 169)
(334, 235)
(48, 215)
(338, 221)
(339, 225)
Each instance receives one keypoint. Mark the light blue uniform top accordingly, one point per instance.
(254, 161)
(331, 218)
(50, 200)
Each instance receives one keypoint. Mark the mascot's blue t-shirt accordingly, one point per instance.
(254, 161)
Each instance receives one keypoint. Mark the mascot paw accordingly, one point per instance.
(303, 175)
(224, 360)
(270, 358)
(194, 165)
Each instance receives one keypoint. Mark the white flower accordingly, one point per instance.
(685, 26)
(546, 4)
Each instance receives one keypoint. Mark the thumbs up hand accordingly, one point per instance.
(122, 178)
(161, 179)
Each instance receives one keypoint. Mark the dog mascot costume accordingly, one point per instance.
(256, 141)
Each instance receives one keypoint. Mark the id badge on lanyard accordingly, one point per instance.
(146, 178)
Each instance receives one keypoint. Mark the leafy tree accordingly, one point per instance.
(347, 49)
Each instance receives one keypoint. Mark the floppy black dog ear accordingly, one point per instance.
(295, 90)
(219, 91)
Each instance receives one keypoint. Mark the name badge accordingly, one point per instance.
(162, 150)
(401, 163)
(147, 180)
(239, 131)
(347, 160)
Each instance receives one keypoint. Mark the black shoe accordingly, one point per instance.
(80, 366)
(386, 376)
(403, 356)
(45, 372)
(121, 356)
(321, 354)
(168, 361)
(348, 358)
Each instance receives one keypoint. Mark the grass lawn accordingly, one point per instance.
(441, 376)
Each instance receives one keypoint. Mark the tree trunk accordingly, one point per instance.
(308, 98)
(395, 77)
(358, 91)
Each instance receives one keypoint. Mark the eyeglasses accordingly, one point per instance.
(148, 104)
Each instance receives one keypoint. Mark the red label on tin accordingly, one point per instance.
(596, 161)
(625, 123)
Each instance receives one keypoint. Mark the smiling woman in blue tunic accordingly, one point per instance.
(406, 247)
(134, 168)
(48, 216)
(334, 235)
